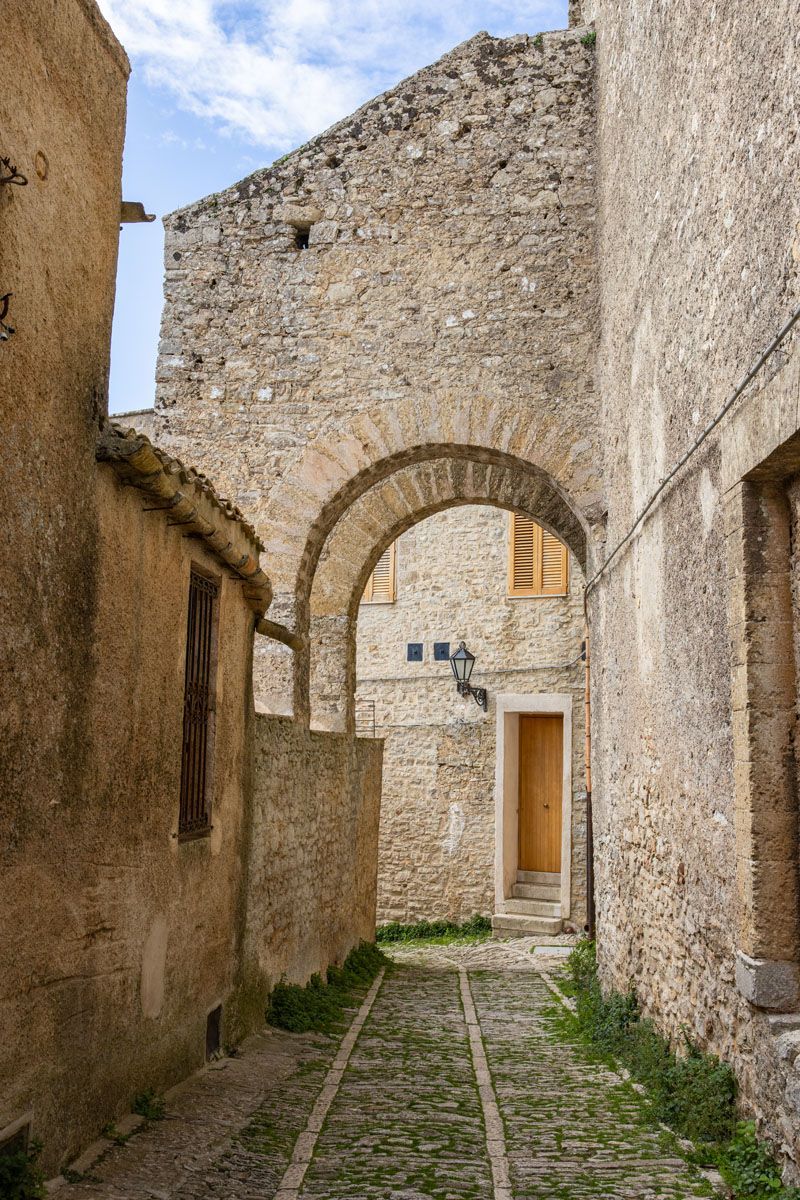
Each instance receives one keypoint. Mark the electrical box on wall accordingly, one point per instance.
(441, 651)
(414, 652)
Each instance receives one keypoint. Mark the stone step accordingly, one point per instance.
(546, 878)
(536, 891)
(511, 925)
(532, 908)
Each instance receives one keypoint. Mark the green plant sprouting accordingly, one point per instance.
(150, 1105)
(320, 1004)
(693, 1093)
(475, 927)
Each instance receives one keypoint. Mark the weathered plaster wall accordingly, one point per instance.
(698, 164)
(116, 933)
(62, 113)
(311, 891)
(437, 832)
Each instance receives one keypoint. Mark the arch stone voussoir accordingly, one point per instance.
(348, 458)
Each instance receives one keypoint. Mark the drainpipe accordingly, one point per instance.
(279, 633)
(590, 909)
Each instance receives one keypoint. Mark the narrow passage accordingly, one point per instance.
(458, 1080)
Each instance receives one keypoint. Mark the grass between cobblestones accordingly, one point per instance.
(319, 1005)
(693, 1093)
(437, 933)
(573, 1128)
(263, 1149)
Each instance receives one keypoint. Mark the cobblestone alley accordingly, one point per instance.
(457, 1079)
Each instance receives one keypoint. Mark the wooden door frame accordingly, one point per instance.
(510, 708)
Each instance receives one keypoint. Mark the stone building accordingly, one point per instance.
(446, 803)
(547, 275)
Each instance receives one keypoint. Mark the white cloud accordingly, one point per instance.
(278, 73)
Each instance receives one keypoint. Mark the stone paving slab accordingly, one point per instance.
(573, 1127)
(458, 1080)
(407, 1121)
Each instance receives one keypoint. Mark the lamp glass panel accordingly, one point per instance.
(462, 663)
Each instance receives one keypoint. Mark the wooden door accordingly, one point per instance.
(541, 773)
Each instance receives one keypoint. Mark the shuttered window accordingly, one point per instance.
(380, 585)
(537, 561)
(198, 708)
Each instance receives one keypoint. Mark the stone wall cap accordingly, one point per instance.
(472, 48)
(188, 498)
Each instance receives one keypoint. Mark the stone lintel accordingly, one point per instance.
(768, 983)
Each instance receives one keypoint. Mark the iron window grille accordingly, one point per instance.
(198, 708)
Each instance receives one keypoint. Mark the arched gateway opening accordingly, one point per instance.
(354, 526)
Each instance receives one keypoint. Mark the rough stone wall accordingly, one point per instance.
(698, 162)
(311, 891)
(437, 832)
(449, 272)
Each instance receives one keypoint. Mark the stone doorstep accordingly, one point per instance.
(513, 925)
(543, 878)
(532, 908)
(536, 891)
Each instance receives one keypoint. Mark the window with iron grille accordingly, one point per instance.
(198, 708)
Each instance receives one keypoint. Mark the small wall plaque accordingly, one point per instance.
(414, 652)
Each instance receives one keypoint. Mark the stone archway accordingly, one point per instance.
(329, 599)
(542, 461)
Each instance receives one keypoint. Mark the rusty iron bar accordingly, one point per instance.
(194, 819)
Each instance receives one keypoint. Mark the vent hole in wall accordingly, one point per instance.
(15, 1140)
(213, 1032)
(301, 237)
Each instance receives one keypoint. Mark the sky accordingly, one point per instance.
(220, 88)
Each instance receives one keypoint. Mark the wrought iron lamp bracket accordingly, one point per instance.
(479, 695)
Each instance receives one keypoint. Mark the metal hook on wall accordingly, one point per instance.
(13, 176)
(5, 330)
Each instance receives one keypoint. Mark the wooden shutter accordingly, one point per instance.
(537, 561)
(198, 700)
(381, 583)
(554, 565)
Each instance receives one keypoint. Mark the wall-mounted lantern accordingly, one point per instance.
(462, 663)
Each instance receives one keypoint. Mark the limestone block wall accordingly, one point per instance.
(311, 888)
(437, 828)
(698, 160)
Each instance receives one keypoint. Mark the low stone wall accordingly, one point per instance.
(312, 882)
